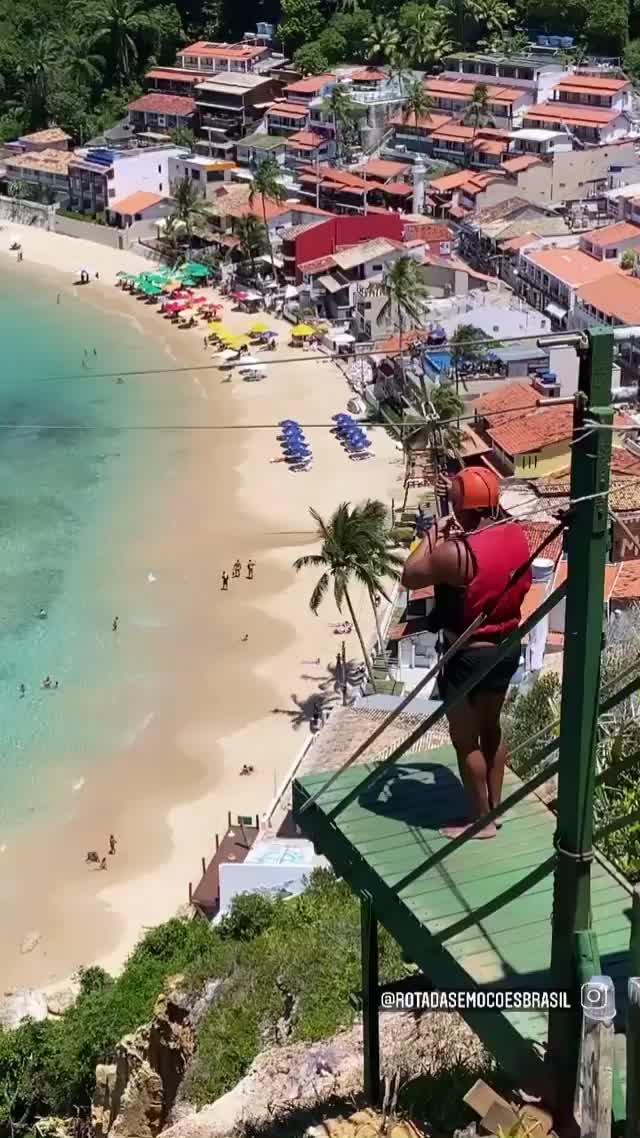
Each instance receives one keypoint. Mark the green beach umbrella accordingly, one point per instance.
(193, 269)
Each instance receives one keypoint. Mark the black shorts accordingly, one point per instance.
(467, 663)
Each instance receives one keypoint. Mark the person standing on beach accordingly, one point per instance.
(250, 567)
(112, 844)
(103, 863)
(23, 691)
(225, 582)
(237, 568)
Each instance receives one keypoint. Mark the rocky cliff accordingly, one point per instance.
(291, 1082)
(134, 1096)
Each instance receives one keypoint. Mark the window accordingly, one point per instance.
(195, 174)
(112, 193)
(159, 187)
(529, 461)
(159, 168)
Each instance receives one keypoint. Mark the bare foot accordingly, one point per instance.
(456, 831)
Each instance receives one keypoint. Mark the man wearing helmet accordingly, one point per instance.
(470, 561)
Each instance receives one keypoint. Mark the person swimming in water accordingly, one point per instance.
(42, 614)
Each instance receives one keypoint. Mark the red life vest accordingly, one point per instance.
(497, 553)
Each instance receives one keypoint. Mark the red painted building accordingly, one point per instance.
(302, 243)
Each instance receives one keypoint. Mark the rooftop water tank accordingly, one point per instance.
(542, 569)
(566, 41)
(543, 41)
(554, 41)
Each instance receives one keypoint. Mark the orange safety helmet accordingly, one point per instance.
(478, 487)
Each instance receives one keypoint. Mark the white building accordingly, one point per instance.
(532, 71)
(206, 174)
(99, 177)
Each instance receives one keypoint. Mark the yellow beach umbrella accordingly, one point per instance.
(414, 544)
(302, 330)
(259, 326)
(237, 341)
(219, 329)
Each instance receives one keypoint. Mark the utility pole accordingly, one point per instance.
(583, 640)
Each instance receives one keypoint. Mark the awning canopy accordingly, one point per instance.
(343, 338)
(278, 262)
(331, 283)
(555, 311)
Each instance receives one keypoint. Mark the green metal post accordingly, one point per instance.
(370, 1025)
(587, 553)
(633, 1023)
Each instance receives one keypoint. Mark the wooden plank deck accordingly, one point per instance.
(482, 916)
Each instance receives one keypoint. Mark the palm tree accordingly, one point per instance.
(189, 206)
(447, 405)
(478, 110)
(40, 62)
(253, 239)
(343, 110)
(384, 562)
(406, 293)
(424, 37)
(354, 548)
(383, 39)
(418, 102)
(171, 240)
(266, 182)
(119, 24)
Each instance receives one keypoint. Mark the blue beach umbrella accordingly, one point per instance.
(288, 423)
(296, 448)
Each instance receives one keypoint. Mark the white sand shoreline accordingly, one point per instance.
(223, 712)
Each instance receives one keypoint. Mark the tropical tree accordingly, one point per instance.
(418, 103)
(119, 26)
(477, 112)
(189, 207)
(406, 296)
(384, 562)
(172, 235)
(447, 405)
(471, 20)
(424, 35)
(355, 549)
(467, 343)
(344, 112)
(383, 39)
(266, 182)
(253, 239)
(310, 59)
(40, 60)
(183, 136)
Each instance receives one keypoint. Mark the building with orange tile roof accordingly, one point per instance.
(611, 241)
(140, 206)
(208, 57)
(614, 299)
(505, 104)
(310, 87)
(549, 278)
(529, 440)
(588, 123)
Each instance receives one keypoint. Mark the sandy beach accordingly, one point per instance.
(219, 701)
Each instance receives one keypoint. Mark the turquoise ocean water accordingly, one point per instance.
(68, 500)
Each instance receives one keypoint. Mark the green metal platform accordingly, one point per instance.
(482, 916)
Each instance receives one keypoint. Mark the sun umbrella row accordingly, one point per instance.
(351, 434)
(294, 443)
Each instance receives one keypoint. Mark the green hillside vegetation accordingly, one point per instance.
(77, 63)
(265, 951)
